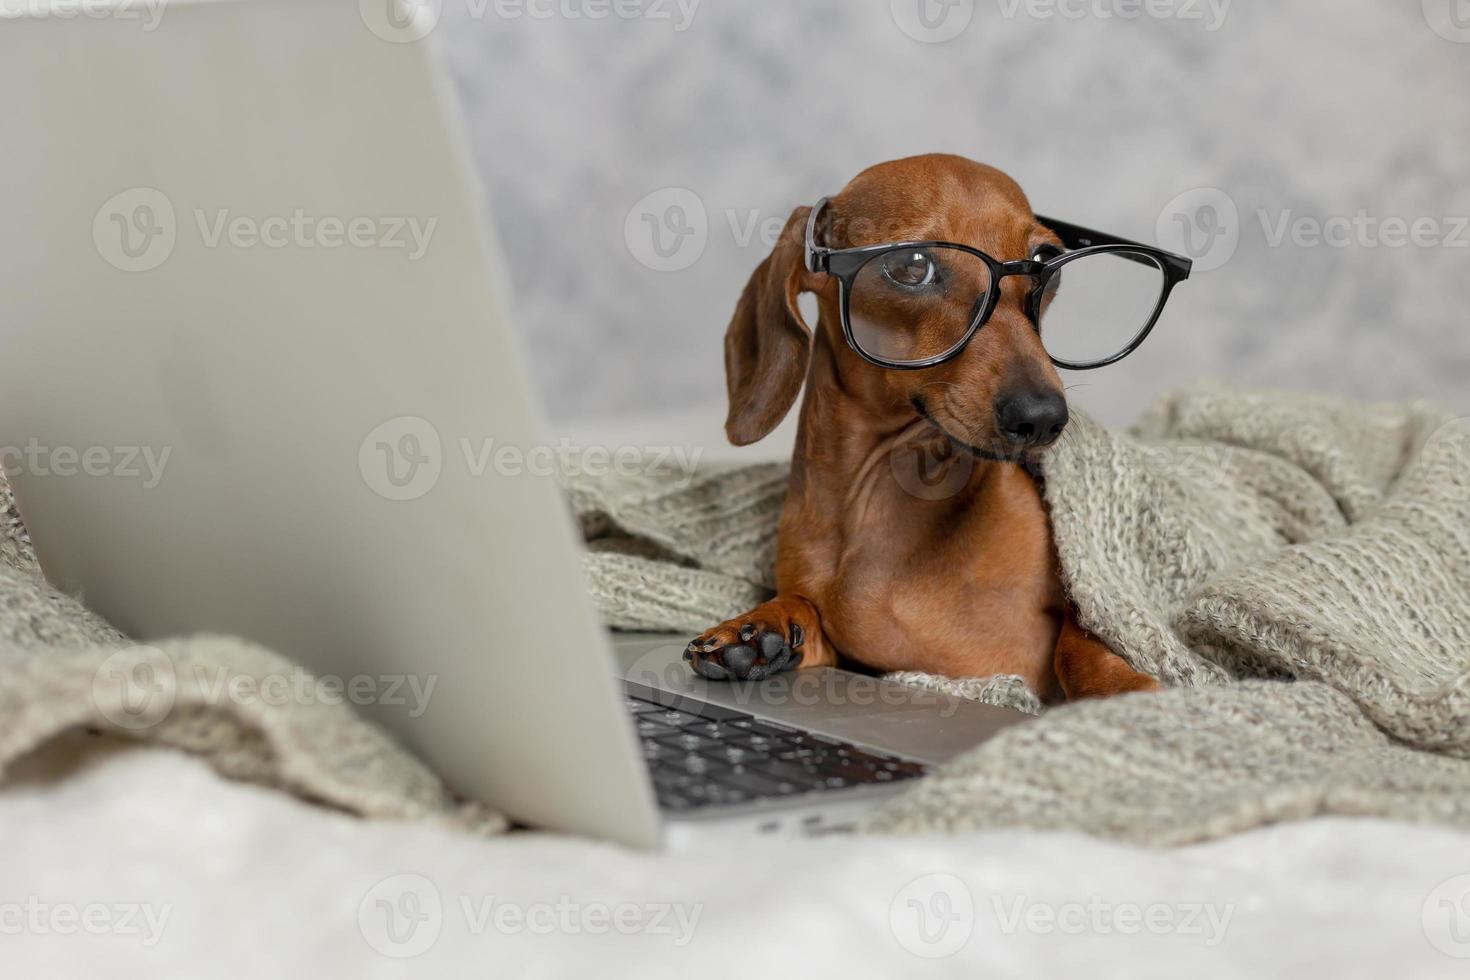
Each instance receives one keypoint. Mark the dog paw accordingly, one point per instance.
(747, 648)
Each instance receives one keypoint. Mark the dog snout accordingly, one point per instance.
(1031, 418)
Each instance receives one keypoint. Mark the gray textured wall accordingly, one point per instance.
(1352, 116)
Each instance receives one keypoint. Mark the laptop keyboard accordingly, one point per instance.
(705, 754)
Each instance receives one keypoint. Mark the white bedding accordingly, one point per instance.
(181, 873)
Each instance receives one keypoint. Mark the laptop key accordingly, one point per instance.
(757, 783)
(713, 729)
(786, 772)
(759, 743)
(734, 754)
(687, 741)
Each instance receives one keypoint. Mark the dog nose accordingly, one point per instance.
(1031, 418)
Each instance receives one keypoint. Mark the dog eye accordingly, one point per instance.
(1045, 253)
(910, 269)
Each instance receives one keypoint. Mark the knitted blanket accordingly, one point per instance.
(253, 715)
(1295, 568)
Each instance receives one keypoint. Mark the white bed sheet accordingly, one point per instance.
(144, 863)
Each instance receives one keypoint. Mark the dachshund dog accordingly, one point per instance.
(872, 565)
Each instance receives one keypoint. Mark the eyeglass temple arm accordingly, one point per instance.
(813, 255)
(1076, 236)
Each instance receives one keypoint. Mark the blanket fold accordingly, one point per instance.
(1295, 568)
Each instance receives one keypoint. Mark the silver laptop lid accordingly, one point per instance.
(240, 242)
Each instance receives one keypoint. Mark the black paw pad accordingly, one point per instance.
(760, 653)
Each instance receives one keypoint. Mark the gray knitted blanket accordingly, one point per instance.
(1295, 568)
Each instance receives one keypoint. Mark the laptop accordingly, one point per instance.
(253, 314)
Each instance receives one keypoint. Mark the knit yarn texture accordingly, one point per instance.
(1294, 568)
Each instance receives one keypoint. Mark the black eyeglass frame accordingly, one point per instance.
(845, 263)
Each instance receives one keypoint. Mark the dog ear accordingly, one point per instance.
(768, 344)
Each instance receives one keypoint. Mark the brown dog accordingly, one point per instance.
(871, 564)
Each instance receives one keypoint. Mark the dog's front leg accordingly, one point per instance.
(778, 635)
(1086, 668)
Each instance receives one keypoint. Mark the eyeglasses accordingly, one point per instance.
(910, 305)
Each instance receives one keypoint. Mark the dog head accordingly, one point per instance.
(1000, 397)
